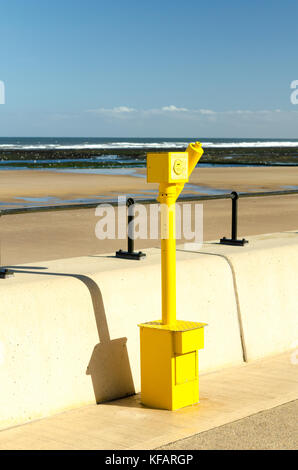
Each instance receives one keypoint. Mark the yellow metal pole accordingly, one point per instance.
(167, 198)
(169, 347)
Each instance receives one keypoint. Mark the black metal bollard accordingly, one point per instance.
(5, 273)
(233, 240)
(130, 253)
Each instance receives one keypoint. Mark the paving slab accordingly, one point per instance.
(226, 396)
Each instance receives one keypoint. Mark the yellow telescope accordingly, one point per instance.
(169, 347)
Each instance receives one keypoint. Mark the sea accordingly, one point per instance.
(95, 153)
(114, 143)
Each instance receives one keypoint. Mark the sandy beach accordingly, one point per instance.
(67, 185)
(45, 236)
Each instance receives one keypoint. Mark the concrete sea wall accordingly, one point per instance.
(68, 328)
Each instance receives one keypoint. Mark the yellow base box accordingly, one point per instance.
(169, 363)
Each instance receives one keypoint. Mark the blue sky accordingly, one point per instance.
(148, 68)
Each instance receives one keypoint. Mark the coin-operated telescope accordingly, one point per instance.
(169, 347)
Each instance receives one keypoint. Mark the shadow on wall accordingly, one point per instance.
(109, 365)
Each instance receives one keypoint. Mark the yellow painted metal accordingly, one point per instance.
(169, 167)
(169, 348)
(171, 170)
(169, 364)
(180, 326)
(187, 341)
(167, 199)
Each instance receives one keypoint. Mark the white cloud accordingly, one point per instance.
(115, 110)
(123, 109)
(199, 115)
(205, 111)
(173, 109)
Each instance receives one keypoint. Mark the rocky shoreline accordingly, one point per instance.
(228, 156)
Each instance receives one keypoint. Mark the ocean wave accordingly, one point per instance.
(147, 145)
(104, 146)
(258, 144)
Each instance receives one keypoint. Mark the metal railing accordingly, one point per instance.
(234, 196)
(91, 205)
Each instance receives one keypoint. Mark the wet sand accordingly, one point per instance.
(32, 183)
(39, 184)
(45, 236)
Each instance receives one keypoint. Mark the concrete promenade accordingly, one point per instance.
(226, 396)
(69, 335)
